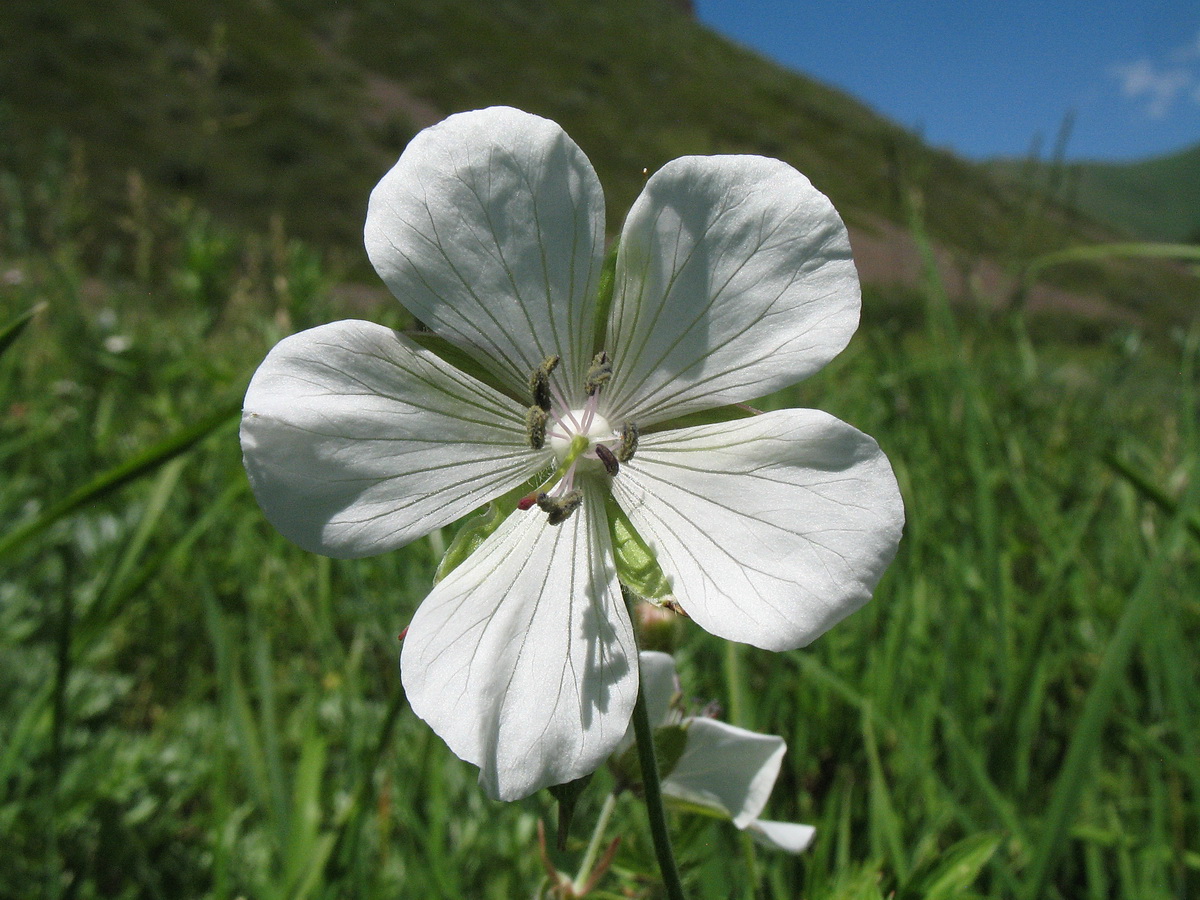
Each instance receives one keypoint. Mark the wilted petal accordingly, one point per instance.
(734, 279)
(789, 836)
(523, 658)
(771, 529)
(726, 769)
(490, 230)
(357, 441)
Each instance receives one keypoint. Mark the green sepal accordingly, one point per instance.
(454, 355)
(705, 417)
(567, 795)
(637, 566)
(604, 295)
(669, 743)
(474, 532)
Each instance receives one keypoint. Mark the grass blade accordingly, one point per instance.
(120, 475)
(10, 332)
(1085, 740)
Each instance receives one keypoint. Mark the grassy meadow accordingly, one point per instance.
(192, 707)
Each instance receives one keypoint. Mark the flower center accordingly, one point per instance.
(562, 432)
(581, 439)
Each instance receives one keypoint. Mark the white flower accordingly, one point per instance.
(723, 769)
(734, 278)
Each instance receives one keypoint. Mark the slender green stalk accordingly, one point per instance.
(735, 685)
(654, 801)
(593, 849)
(738, 712)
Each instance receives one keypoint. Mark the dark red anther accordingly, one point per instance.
(606, 456)
(527, 502)
(403, 634)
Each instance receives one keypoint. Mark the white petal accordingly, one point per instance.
(770, 529)
(522, 659)
(734, 278)
(727, 769)
(789, 836)
(490, 230)
(357, 441)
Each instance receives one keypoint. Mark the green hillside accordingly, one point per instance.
(1155, 199)
(298, 107)
(1158, 199)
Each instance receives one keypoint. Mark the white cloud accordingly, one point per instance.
(1157, 86)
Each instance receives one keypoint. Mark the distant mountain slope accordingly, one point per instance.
(1158, 199)
(300, 105)
(1155, 199)
(295, 108)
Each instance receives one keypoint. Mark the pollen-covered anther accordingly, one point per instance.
(606, 456)
(539, 382)
(599, 374)
(559, 509)
(535, 426)
(629, 442)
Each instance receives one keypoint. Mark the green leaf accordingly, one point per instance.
(637, 566)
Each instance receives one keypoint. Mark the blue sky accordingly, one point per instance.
(986, 77)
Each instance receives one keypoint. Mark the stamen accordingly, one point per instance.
(629, 442)
(559, 509)
(599, 373)
(535, 425)
(568, 481)
(611, 465)
(539, 382)
(673, 605)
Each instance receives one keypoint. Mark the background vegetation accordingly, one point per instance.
(192, 707)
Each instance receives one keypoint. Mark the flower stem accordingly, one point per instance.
(654, 801)
(593, 850)
(733, 678)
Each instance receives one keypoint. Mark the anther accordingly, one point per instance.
(611, 466)
(539, 382)
(629, 442)
(599, 373)
(559, 509)
(535, 425)
(673, 605)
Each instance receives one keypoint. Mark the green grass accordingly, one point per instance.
(192, 707)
